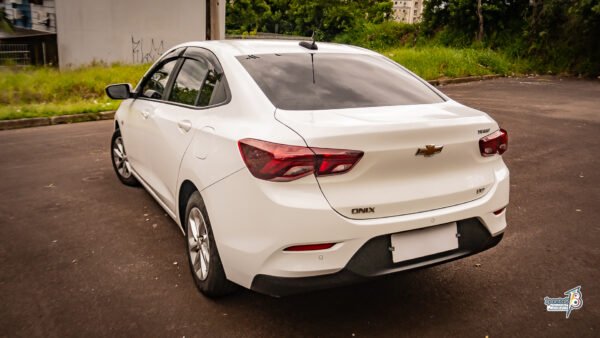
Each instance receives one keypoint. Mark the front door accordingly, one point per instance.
(137, 133)
(176, 121)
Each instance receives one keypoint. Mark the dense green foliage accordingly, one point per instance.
(554, 35)
(381, 36)
(558, 35)
(459, 24)
(327, 17)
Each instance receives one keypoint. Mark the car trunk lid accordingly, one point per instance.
(392, 178)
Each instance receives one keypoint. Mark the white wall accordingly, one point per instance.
(130, 31)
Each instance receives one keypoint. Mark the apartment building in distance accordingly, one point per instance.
(407, 11)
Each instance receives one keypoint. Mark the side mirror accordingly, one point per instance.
(121, 91)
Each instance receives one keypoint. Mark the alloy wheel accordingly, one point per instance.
(198, 243)
(120, 158)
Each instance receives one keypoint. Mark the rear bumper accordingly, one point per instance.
(254, 221)
(374, 259)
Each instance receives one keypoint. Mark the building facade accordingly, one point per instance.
(407, 11)
(39, 15)
(128, 31)
(33, 40)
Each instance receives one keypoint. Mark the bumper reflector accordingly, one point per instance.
(310, 247)
(498, 212)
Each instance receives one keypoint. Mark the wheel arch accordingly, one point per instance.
(186, 190)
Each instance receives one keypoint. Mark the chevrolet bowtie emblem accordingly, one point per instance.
(429, 150)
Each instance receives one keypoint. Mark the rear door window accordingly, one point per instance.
(318, 81)
(200, 81)
(187, 86)
(214, 85)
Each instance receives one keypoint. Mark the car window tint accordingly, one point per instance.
(157, 83)
(219, 94)
(304, 81)
(208, 87)
(187, 85)
(214, 90)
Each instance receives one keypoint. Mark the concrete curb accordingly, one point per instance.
(109, 115)
(442, 82)
(54, 120)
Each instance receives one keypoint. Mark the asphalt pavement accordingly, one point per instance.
(83, 255)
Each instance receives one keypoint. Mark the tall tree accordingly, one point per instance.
(247, 15)
(303, 17)
(560, 34)
(480, 18)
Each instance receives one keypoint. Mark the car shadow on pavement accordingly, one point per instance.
(408, 299)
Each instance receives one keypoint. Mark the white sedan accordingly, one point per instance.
(299, 166)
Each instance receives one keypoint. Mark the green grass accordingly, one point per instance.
(443, 62)
(39, 92)
(19, 111)
(428, 57)
(45, 92)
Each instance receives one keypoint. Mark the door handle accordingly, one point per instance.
(145, 114)
(185, 125)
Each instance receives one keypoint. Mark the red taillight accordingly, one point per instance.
(283, 163)
(495, 143)
(310, 247)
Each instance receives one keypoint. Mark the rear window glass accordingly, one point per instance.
(303, 81)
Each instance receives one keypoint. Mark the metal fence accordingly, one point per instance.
(269, 36)
(15, 54)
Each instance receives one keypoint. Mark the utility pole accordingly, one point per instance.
(215, 19)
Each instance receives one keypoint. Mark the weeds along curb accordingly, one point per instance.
(442, 82)
(54, 120)
(109, 115)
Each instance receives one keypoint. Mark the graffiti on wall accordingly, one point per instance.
(144, 51)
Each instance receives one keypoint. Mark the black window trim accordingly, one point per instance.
(181, 57)
(167, 58)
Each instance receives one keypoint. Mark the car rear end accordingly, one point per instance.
(387, 174)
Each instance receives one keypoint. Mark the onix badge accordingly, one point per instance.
(429, 150)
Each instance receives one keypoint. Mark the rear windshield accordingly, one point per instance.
(303, 81)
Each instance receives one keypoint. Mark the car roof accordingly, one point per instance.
(257, 46)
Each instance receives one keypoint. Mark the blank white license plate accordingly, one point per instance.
(424, 242)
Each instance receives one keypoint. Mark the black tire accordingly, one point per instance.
(214, 283)
(120, 163)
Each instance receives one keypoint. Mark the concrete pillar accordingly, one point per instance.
(217, 19)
